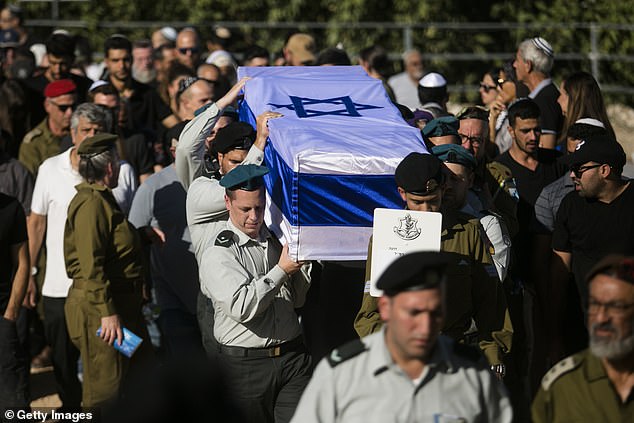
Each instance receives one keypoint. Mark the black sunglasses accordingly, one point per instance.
(579, 170)
(192, 50)
(486, 87)
(63, 107)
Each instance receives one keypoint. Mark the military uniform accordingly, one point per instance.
(103, 257)
(359, 382)
(499, 180)
(38, 145)
(577, 389)
(473, 290)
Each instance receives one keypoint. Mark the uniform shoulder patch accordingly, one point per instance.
(564, 366)
(469, 352)
(224, 239)
(34, 133)
(346, 352)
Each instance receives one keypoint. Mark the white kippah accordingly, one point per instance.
(97, 84)
(592, 122)
(543, 45)
(169, 33)
(433, 80)
(221, 58)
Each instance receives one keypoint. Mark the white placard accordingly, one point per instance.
(398, 232)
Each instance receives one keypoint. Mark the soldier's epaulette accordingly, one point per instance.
(558, 370)
(224, 239)
(469, 352)
(36, 132)
(346, 352)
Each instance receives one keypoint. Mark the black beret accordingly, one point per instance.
(419, 174)
(246, 177)
(236, 135)
(414, 271)
(98, 144)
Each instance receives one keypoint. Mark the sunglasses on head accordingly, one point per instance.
(192, 50)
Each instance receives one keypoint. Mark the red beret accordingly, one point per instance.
(60, 87)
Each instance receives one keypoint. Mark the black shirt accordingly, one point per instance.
(145, 108)
(590, 229)
(550, 116)
(12, 232)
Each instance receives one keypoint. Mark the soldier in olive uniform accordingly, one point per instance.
(43, 141)
(474, 291)
(597, 385)
(103, 257)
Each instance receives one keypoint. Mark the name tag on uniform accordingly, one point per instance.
(399, 232)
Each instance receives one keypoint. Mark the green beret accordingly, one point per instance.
(419, 174)
(439, 127)
(92, 146)
(413, 272)
(452, 153)
(246, 177)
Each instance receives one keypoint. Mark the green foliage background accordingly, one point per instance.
(204, 13)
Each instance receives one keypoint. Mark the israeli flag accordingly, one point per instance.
(331, 157)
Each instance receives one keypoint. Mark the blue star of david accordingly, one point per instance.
(298, 104)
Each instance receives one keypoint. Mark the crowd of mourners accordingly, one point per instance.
(132, 200)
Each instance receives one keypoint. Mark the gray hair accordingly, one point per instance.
(93, 169)
(530, 52)
(93, 113)
(405, 56)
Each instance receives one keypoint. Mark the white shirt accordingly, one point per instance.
(53, 192)
(405, 90)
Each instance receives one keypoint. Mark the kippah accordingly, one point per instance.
(169, 33)
(98, 83)
(433, 80)
(59, 87)
(543, 45)
(185, 83)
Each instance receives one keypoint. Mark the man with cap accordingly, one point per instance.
(407, 371)
(60, 55)
(474, 291)
(594, 220)
(103, 257)
(53, 192)
(44, 140)
(300, 50)
(441, 130)
(432, 94)
(597, 384)
(533, 62)
(255, 287)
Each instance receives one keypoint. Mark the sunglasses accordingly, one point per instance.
(192, 50)
(579, 170)
(63, 107)
(486, 88)
(502, 81)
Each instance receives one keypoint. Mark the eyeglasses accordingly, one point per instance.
(473, 140)
(63, 107)
(502, 81)
(579, 170)
(192, 50)
(611, 308)
(486, 87)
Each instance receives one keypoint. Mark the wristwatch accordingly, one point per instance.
(499, 369)
(34, 270)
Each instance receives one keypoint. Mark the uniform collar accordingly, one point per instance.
(594, 368)
(94, 187)
(244, 239)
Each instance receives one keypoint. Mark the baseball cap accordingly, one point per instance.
(600, 148)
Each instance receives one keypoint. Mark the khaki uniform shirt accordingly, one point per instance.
(102, 249)
(38, 145)
(577, 389)
(501, 184)
(254, 300)
(364, 385)
(474, 291)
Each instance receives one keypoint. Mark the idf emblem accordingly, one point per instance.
(407, 229)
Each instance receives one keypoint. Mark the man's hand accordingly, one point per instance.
(287, 264)
(154, 235)
(111, 329)
(30, 299)
(230, 98)
(262, 123)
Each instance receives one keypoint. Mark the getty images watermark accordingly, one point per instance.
(25, 415)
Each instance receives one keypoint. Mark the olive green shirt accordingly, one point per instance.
(102, 249)
(577, 389)
(38, 145)
(500, 182)
(474, 291)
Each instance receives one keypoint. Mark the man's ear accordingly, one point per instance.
(385, 307)
(402, 193)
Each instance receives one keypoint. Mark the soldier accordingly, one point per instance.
(103, 256)
(255, 287)
(408, 371)
(597, 384)
(44, 140)
(473, 289)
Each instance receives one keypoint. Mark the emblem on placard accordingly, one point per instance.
(407, 228)
(306, 107)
